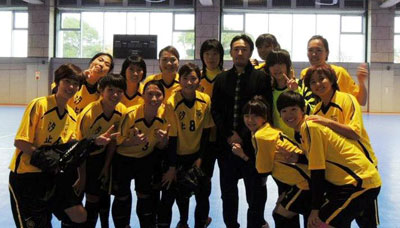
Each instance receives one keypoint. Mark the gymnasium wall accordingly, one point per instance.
(19, 85)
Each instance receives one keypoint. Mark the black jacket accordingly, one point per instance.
(253, 82)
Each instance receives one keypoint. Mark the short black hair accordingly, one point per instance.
(324, 42)
(209, 45)
(100, 54)
(290, 98)
(269, 39)
(134, 60)
(157, 83)
(259, 107)
(278, 57)
(115, 80)
(187, 69)
(69, 71)
(170, 49)
(245, 38)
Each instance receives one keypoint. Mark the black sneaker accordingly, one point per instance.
(182, 225)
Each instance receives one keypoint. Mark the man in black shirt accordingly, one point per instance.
(232, 90)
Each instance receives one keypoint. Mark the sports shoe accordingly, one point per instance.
(209, 220)
(266, 225)
(182, 225)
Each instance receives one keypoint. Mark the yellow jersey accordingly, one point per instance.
(207, 81)
(188, 120)
(92, 121)
(83, 97)
(265, 142)
(344, 108)
(168, 89)
(342, 159)
(134, 117)
(206, 86)
(42, 124)
(136, 99)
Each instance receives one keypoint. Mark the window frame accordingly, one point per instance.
(14, 12)
(104, 11)
(341, 13)
(353, 33)
(13, 28)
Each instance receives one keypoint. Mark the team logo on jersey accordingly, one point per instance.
(199, 114)
(51, 126)
(98, 130)
(48, 140)
(181, 115)
(77, 99)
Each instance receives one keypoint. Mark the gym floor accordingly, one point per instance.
(383, 129)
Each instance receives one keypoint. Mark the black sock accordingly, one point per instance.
(144, 212)
(104, 210)
(92, 213)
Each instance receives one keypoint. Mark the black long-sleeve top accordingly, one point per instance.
(252, 82)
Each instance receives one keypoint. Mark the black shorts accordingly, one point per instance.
(297, 200)
(34, 196)
(65, 196)
(94, 166)
(369, 217)
(345, 203)
(124, 169)
(282, 187)
(30, 196)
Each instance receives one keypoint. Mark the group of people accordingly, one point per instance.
(166, 132)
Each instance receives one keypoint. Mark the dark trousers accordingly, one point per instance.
(233, 168)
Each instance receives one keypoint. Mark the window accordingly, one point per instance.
(183, 35)
(397, 39)
(70, 35)
(232, 25)
(82, 34)
(14, 38)
(351, 39)
(345, 33)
